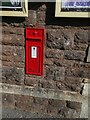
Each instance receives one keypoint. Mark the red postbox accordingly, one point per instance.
(34, 51)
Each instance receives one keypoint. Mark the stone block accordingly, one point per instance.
(54, 53)
(30, 81)
(74, 105)
(75, 55)
(60, 39)
(48, 61)
(23, 102)
(70, 84)
(13, 53)
(88, 56)
(81, 36)
(78, 72)
(12, 30)
(8, 100)
(41, 16)
(50, 84)
(13, 75)
(55, 73)
(80, 46)
(31, 19)
(13, 39)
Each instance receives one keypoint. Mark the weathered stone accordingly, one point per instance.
(42, 93)
(13, 54)
(73, 83)
(12, 30)
(52, 111)
(80, 46)
(75, 72)
(23, 102)
(86, 89)
(59, 62)
(31, 19)
(88, 73)
(81, 36)
(19, 54)
(80, 65)
(63, 63)
(13, 39)
(8, 100)
(8, 63)
(46, 106)
(31, 81)
(70, 84)
(52, 53)
(75, 55)
(40, 24)
(31, 103)
(57, 103)
(60, 39)
(13, 75)
(88, 57)
(41, 16)
(42, 8)
(7, 58)
(74, 105)
(55, 73)
(50, 84)
(69, 113)
(7, 50)
(48, 61)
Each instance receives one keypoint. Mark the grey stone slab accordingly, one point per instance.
(88, 58)
(42, 93)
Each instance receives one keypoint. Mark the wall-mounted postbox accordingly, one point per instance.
(34, 51)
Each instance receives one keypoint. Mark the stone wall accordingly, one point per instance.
(65, 67)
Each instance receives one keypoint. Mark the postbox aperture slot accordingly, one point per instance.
(33, 52)
(31, 39)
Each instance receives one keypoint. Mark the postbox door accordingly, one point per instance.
(34, 59)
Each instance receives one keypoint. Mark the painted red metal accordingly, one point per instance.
(34, 51)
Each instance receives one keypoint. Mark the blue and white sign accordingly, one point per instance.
(75, 3)
(11, 4)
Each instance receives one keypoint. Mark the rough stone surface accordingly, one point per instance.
(55, 73)
(12, 30)
(82, 36)
(83, 73)
(61, 39)
(52, 53)
(73, 105)
(75, 55)
(51, 107)
(31, 20)
(65, 66)
(13, 75)
(12, 39)
(8, 100)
